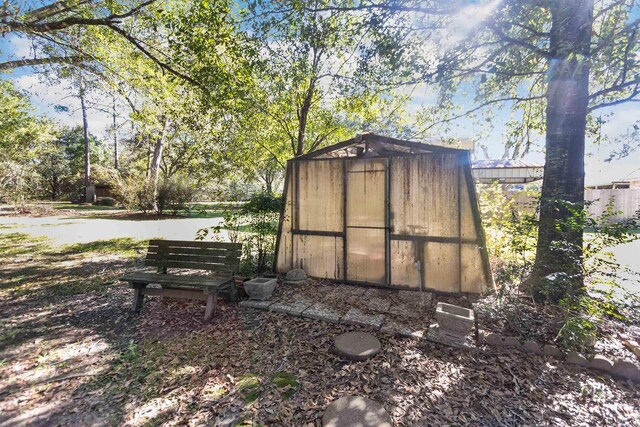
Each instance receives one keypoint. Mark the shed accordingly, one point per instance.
(385, 212)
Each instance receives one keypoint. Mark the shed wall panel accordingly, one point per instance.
(441, 267)
(365, 193)
(473, 277)
(403, 264)
(319, 256)
(366, 255)
(320, 196)
(424, 195)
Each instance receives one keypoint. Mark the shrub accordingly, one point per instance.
(135, 193)
(259, 217)
(174, 194)
(105, 201)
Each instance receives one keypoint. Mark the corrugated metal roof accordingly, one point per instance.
(501, 164)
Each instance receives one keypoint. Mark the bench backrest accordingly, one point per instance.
(213, 256)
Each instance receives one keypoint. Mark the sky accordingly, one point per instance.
(45, 97)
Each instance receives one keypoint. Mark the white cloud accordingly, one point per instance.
(46, 96)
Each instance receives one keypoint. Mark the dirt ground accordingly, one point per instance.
(71, 353)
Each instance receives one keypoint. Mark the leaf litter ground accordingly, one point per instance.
(71, 353)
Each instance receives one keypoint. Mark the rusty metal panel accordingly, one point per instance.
(320, 196)
(473, 277)
(424, 195)
(441, 268)
(404, 270)
(366, 255)
(319, 256)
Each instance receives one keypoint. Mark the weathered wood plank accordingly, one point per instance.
(190, 265)
(175, 293)
(171, 279)
(196, 244)
(225, 253)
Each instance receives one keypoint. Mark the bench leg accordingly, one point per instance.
(138, 299)
(233, 292)
(211, 306)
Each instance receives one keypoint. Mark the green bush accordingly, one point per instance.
(135, 193)
(174, 194)
(105, 201)
(255, 225)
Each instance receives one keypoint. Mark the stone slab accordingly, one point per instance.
(434, 335)
(405, 310)
(416, 298)
(393, 327)
(295, 308)
(357, 317)
(322, 311)
(374, 303)
(357, 345)
(262, 305)
(350, 411)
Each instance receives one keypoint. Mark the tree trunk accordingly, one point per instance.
(559, 248)
(155, 161)
(87, 158)
(303, 118)
(115, 135)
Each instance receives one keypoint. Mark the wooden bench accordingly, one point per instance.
(221, 258)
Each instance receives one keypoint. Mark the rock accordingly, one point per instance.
(635, 332)
(532, 347)
(601, 363)
(357, 317)
(633, 346)
(357, 345)
(350, 411)
(626, 369)
(512, 342)
(551, 350)
(493, 339)
(295, 276)
(577, 359)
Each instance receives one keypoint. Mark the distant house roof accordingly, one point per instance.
(507, 171)
(509, 163)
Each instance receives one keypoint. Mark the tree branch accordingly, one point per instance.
(28, 62)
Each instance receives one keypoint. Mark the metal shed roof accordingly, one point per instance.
(372, 145)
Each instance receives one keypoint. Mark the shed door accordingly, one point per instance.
(367, 220)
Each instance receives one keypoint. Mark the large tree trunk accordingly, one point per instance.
(87, 158)
(155, 161)
(559, 248)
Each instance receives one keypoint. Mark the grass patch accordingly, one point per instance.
(125, 246)
(19, 244)
(72, 206)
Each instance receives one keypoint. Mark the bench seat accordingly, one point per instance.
(221, 258)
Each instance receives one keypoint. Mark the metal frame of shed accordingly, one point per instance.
(384, 212)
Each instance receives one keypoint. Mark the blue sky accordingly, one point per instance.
(619, 121)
